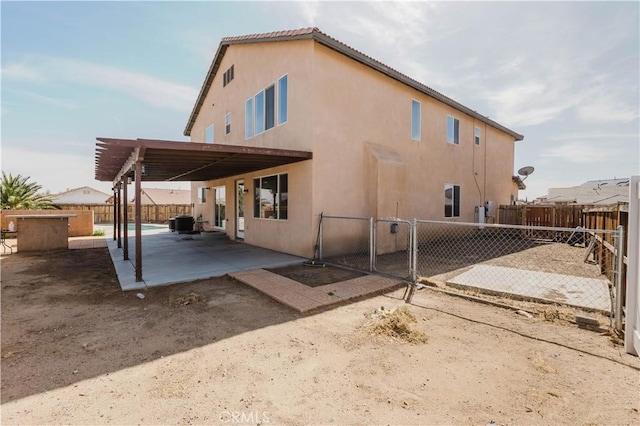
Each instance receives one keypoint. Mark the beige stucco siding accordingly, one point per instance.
(355, 104)
(357, 123)
(257, 66)
(293, 235)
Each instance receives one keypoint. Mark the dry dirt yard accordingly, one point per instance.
(77, 350)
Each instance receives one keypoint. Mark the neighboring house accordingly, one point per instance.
(82, 195)
(164, 196)
(383, 144)
(593, 192)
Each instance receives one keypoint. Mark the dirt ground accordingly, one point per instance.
(315, 276)
(77, 350)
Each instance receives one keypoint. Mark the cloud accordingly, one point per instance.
(20, 72)
(152, 90)
(607, 108)
(58, 102)
(604, 136)
(582, 153)
(310, 10)
(54, 171)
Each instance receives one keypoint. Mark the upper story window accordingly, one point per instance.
(451, 200)
(259, 114)
(415, 120)
(453, 130)
(265, 109)
(227, 123)
(248, 118)
(283, 83)
(227, 77)
(476, 135)
(260, 111)
(208, 134)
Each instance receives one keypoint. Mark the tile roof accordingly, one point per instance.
(332, 43)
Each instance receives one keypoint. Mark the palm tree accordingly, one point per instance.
(17, 193)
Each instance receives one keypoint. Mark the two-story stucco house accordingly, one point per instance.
(383, 144)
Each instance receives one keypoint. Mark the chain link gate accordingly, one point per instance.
(393, 247)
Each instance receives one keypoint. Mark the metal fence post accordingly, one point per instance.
(413, 247)
(414, 251)
(320, 236)
(619, 284)
(372, 245)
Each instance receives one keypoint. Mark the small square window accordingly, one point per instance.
(227, 76)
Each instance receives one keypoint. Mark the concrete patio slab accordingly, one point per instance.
(170, 258)
(590, 293)
(303, 298)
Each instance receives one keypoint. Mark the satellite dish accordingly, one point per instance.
(525, 171)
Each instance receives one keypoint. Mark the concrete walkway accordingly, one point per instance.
(570, 290)
(169, 258)
(303, 298)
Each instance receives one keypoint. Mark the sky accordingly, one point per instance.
(564, 74)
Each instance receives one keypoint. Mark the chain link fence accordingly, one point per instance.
(347, 241)
(392, 247)
(563, 266)
(577, 268)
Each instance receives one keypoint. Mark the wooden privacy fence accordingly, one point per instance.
(562, 216)
(151, 213)
(606, 218)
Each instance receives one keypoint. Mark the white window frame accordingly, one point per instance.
(477, 135)
(278, 99)
(255, 112)
(213, 133)
(248, 126)
(419, 123)
(277, 175)
(227, 123)
(453, 200)
(452, 138)
(202, 194)
(216, 211)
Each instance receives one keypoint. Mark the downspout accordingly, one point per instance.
(484, 178)
(473, 162)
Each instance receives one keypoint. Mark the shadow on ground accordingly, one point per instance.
(65, 319)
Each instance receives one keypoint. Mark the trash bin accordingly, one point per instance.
(172, 224)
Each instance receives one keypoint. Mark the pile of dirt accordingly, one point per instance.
(552, 313)
(397, 324)
(185, 299)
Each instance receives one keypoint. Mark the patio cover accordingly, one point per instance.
(165, 161)
(117, 160)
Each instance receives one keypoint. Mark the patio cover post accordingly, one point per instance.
(115, 211)
(125, 217)
(118, 217)
(138, 221)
